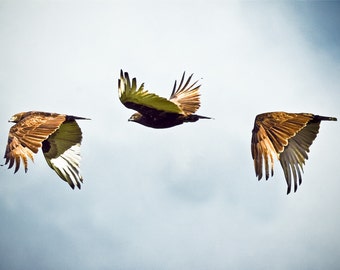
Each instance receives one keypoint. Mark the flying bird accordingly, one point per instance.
(287, 137)
(158, 112)
(59, 137)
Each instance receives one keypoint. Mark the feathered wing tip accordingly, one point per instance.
(126, 87)
(263, 152)
(184, 87)
(295, 154)
(186, 95)
(293, 158)
(292, 169)
(67, 165)
(123, 83)
(121, 87)
(17, 154)
(263, 156)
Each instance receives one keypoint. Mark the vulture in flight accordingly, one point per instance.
(58, 135)
(287, 137)
(158, 112)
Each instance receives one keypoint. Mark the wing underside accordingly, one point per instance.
(62, 153)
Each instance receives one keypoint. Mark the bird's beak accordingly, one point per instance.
(12, 119)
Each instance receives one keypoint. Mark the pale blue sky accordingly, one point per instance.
(181, 198)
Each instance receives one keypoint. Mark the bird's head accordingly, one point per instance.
(136, 117)
(17, 117)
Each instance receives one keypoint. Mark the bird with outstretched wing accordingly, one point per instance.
(59, 137)
(286, 137)
(158, 112)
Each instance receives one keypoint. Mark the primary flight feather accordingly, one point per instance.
(287, 137)
(158, 112)
(58, 135)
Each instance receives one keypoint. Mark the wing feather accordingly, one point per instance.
(186, 96)
(26, 137)
(262, 150)
(287, 136)
(293, 157)
(66, 165)
(282, 126)
(270, 137)
(62, 152)
(141, 100)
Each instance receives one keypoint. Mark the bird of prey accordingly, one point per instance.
(58, 135)
(286, 136)
(158, 112)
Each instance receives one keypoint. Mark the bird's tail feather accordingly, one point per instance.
(204, 117)
(326, 118)
(195, 117)
(72, 117)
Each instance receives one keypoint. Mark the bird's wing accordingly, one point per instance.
(141, 100)
(26, 137)
(271, 135)
(186, 96)
(262, 149)
(62, 152)
(294, 155)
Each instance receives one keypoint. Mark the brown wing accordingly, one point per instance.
(62, 152)
(294, 155)
(186, 96)
(27, 135)
(271, 136)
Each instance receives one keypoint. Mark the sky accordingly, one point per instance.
(179, 198)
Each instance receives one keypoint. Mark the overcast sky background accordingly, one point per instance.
(180, 198)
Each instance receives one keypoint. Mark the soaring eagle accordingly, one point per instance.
(58, 135)
(286, 136)
(158, 112)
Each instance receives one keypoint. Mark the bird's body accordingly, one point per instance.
(157, 112)
(287, 137)
(58, 135)
(165, 120)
